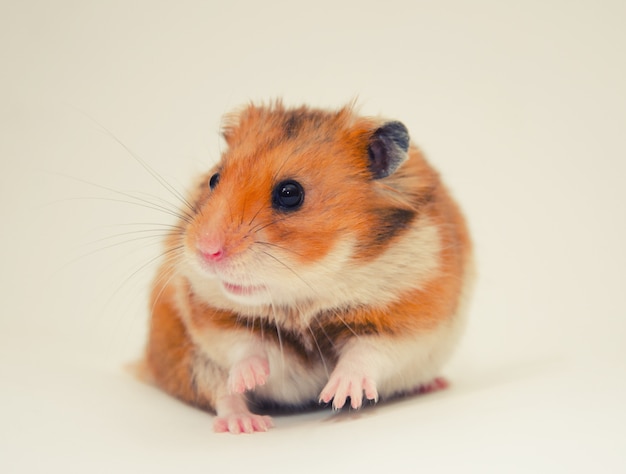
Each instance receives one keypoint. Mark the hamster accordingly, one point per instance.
(321, 260)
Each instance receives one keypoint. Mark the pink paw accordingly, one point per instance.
(344, 385)
(438, 383)
(242, 423)
(248, 373)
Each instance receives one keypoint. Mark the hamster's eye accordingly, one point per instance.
(288, 195)
(214, 180)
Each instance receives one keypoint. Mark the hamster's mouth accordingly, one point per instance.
(240, 290)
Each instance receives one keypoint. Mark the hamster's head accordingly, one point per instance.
(299, 196)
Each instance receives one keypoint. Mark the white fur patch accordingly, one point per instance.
(335, 281)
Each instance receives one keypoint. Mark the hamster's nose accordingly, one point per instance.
(211, 248)
(212, 256)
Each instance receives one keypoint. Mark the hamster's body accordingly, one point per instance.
(322, 259)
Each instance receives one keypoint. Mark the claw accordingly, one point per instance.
(355, 386)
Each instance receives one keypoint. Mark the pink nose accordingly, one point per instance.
(212, 256)
(211, 248)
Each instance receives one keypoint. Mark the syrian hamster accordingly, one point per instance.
(321, 260)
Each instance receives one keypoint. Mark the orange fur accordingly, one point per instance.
(346, 215)
(170, 352)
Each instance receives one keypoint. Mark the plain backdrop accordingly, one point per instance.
(520, 105)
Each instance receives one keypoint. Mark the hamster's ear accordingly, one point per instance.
(388, 148)
(228, 132)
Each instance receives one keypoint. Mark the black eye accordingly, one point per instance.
(214, 180)
(288, 196)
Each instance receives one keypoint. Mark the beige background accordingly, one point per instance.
(520, 105)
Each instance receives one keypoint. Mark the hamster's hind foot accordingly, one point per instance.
(438, 383)
(234, 417)
(238, 423)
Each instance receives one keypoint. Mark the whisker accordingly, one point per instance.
(143, 224)
(164, 280)
(344, 322)
(158, 239)
(290, 269)
(258, 229)
(319, 350)
(230, 210)
(162, 181)
(137, 202)
(256, 215)
(174, 251)
(118, 244)
(168, 256)
(314, 290)
(243, 209)
(276, 174)
(261, 328)
(160, 233)
(168, 205)
(287, 249)
(280, 338)
(330, 339)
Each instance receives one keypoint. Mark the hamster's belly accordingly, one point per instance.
(293, 381)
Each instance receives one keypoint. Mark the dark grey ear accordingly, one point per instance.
(388, 148)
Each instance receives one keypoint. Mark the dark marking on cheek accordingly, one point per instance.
(390, 223)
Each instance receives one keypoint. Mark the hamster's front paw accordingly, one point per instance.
(343, 384)
(248, 373)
